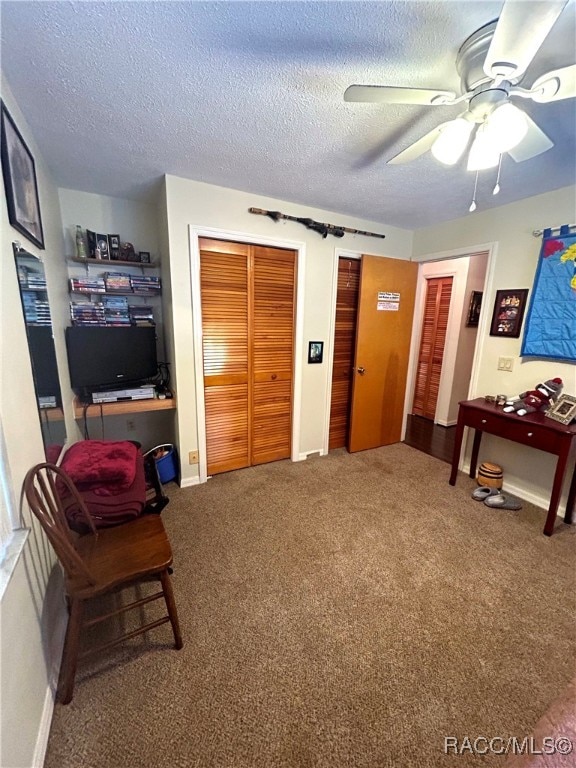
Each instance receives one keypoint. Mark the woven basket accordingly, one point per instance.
(490, 475)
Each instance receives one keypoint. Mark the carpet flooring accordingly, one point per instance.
(349, 611)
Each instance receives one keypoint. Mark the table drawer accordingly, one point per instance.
(512, 428)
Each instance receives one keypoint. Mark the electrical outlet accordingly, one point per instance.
(193, 457)
(506, 364)
(130, 425)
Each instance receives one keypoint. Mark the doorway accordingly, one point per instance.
(430, 425)
(374, 308)
(432, 339)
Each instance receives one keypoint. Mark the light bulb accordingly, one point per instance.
(482, 152)
(506, 127)
(452, 141)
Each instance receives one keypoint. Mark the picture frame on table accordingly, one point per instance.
(315, 351)
(20, 182)
(508, 313)
(144, 257)
(563, 410)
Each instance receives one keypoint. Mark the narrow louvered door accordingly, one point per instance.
(344, 340)
(225, 331)
(248, 345)
(273, 281)
(434, 327)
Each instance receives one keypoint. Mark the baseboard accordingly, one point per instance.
(44, 730)
(189, 482)
(449, 423)
(307, 454)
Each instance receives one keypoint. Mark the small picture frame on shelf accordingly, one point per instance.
(102, 249)
(144, 257)
(114, 246)
(315, 351)
(563, 410)
(91, 238)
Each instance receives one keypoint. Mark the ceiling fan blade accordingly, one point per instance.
(388, 94)
(556, 85)
(521, 30)
(417, 148)
(534, 143)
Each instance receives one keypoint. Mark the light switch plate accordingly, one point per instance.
(506, 364)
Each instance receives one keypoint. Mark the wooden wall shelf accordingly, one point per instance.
(114, 263)
(122, 407)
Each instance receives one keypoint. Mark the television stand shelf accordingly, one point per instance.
(92, 410)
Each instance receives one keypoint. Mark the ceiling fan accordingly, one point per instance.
(491, 64)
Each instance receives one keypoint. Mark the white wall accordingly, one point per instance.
(514, 265)
(207, 206)
(467, 337)
(31, 612)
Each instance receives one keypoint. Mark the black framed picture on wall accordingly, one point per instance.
(508, 312)
(20, 182)
(315, 351)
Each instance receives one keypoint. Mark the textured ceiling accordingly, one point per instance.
(249, 95)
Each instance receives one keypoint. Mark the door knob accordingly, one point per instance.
(361, 371)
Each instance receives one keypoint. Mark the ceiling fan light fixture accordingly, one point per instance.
(482, 154)
(452, 141)
(506, 127)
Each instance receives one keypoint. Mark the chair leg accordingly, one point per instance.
(70, 653)
(171, 605)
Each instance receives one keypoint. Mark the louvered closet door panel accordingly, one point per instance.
(434, 328)
(225, 329)
(344, 339)
(273, 284)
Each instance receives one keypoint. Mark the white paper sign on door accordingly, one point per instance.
(388, 306)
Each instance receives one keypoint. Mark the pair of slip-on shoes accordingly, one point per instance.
(493, 497)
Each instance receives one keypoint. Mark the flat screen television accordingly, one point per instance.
(100, 358)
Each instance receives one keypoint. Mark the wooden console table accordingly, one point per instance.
(535, 430)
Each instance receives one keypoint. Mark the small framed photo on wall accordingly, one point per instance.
(508, 312)
(315, 351)
(474, 309)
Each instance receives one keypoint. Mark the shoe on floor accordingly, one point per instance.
(502, 501)
(483, 492)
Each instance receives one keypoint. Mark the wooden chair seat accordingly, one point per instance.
(100, 562)
(119, 555)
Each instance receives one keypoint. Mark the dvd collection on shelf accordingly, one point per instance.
(112, 310)
(36, 311)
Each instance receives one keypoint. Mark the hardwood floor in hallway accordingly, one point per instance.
(430, 438)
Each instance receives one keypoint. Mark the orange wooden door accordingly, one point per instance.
(273, 300)
(248, 345)
(385, 312)
(225, 331)
(432, 341)
(344, 343)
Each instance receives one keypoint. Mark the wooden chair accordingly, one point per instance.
(99, 562)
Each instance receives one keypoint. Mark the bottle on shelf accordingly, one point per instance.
(80, 244)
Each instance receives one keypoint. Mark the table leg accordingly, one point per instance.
(475, 451)
(571, 501)
(457, 447)
(556, 490)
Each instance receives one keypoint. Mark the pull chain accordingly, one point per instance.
(497, 186)
(473, 203)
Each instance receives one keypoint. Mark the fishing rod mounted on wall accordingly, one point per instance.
(317, 226)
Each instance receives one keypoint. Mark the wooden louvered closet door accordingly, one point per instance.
(248, 344)
(344, 341)
(434, 327)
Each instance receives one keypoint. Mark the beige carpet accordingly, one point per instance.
(348, 611)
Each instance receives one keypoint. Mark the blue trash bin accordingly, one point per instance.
(166, 461)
